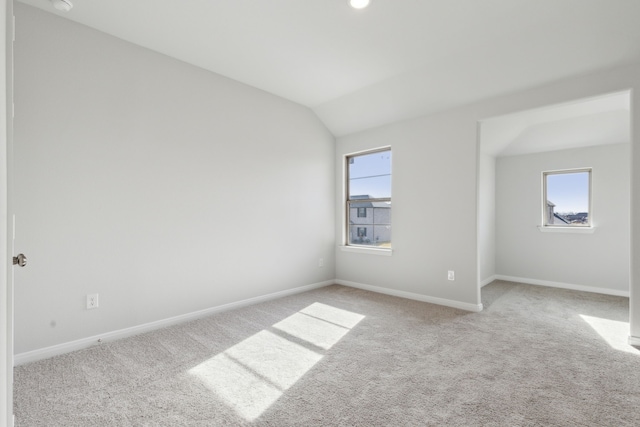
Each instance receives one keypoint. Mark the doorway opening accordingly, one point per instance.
(587, 247)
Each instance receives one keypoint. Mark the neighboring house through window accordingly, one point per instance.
(368, 201)
(567, 198)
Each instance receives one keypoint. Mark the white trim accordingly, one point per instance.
(47, 352)
(561, 285)
(488, 280)
(364, 250)
(634, 341)
(410, 295)
(561, 229)
(366, 151)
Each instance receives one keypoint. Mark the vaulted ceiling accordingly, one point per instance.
(582, 123)
(397, 59)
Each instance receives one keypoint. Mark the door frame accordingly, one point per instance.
(6, 214)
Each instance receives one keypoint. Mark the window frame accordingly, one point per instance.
(346, 240)
(589, 224)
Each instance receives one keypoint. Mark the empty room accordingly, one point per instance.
(320, 213)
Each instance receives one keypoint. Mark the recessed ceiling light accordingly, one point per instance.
(359, 4)
(63, 5)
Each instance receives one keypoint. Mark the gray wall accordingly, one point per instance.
(487, 218)
(163, 187)
(436, 186)
(434, 208)
(598, 260)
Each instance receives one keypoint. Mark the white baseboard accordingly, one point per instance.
(485, 282)
(410, 295)
(634, 341)
(561, 285)
(47, 352)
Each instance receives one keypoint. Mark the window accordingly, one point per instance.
(567, 198)
(368, 184)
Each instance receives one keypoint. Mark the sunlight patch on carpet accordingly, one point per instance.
(331, 314)
(253, 374)
(615, 333)
(320, 324)
(248, 394)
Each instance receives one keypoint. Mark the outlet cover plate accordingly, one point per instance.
(92, 301)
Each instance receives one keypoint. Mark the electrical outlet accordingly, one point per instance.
(92, 301)
(321, 262)
(451, 275)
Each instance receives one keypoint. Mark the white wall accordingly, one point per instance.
(163, 187)
(435, 214)
(487, 218)
(433, 209)
(599, 260)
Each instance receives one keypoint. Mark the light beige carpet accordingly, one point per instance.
(338, 356)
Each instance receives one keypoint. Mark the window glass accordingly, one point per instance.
(370, 175)
(567, 198)
(369, 199)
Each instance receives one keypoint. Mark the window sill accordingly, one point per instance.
(365, 250)
(578, 230)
